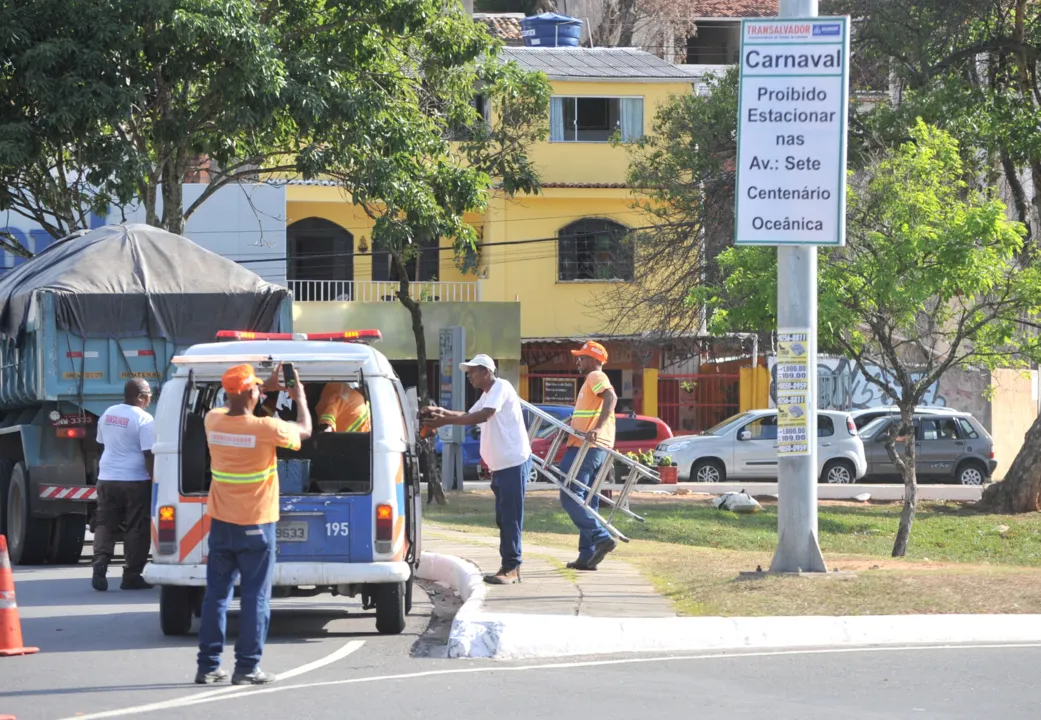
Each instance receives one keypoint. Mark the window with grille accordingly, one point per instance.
(595, 250)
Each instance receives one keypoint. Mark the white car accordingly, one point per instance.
(745, 447)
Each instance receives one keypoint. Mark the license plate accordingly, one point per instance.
(291, 532)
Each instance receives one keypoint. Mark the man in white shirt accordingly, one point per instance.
(127, 434)
(506, 451)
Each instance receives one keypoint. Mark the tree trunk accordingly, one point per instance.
(173, 194)
(435, 489)
(1020, 491)
(627, 22)
(907, 465)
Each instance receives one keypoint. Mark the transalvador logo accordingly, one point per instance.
(829, 29)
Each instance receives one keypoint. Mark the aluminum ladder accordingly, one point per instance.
(566, 481)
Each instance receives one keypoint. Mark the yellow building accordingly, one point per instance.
(544, 259)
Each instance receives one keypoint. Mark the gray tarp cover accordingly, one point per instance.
(134, 280)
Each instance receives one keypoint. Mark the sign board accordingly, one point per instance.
(791, 132)
(559, 391)
(793, 387)
(452, 380)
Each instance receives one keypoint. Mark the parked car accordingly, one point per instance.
(472, 437)
(863, 416)
(951, 446)
(745, 447)
(633, 433)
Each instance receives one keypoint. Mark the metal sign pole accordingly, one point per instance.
(791, 194)
(798, 548)
(452, 346)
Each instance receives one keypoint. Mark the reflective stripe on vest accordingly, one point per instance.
(359, 421)
(245, 478)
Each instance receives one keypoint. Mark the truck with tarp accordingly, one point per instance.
(76, 322)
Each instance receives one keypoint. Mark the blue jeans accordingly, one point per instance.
(509, 486)
(590, 531)
(237, 550)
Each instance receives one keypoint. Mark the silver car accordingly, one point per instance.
(950, 446)
(745, 447)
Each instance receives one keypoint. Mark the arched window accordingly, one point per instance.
(321, 260)
(595, 249)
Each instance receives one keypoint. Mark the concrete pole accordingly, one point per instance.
(797, 546)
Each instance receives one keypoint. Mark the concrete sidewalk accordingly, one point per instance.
(547, 587)
(557, 612)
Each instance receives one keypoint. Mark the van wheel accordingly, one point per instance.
(839, 472)
(176, 607)
(67, 540)
(408, 595)
(28, 537)
(390, 608)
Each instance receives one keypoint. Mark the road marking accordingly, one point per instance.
(225, 694)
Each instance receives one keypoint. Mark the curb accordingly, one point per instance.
(505, 636)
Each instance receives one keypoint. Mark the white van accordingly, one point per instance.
(350, 501)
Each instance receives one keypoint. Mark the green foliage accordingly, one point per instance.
(934, 274)
(108, 100)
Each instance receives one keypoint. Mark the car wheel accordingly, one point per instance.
(971, 474)
(533, 474)
(839, 472)
(708, 471)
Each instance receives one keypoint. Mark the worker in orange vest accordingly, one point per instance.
(243, 507)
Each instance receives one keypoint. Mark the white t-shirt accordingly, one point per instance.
(125, 431)
(504, 439)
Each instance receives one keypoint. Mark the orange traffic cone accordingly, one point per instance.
(10, 625)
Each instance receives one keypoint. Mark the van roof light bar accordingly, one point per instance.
(353, 336)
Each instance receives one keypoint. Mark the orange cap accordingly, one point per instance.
(592, 349)
(239, 379)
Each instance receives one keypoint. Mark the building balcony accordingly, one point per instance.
(371, 291)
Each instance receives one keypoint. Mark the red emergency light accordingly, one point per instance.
(362, 336)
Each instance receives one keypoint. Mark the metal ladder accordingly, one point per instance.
(566, 481)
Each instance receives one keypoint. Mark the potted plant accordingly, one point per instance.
(668, 471)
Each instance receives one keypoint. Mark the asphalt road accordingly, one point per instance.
(104, 656)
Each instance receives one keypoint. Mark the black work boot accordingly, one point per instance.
(135, 582)
(99, 582)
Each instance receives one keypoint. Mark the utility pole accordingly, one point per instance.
(791, 194)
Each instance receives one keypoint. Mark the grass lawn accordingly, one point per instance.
(958, 561)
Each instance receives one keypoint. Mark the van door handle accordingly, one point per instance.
(959, 442)
(825, 444)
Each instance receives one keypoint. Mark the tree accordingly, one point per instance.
(971, 68)
(436, 157)
(115, 100)
(684, 172)
(934, 276)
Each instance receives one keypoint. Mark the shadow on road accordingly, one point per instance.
(139, 629)
(47, 592)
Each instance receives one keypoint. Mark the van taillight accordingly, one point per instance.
(384, 528)
(167, 535)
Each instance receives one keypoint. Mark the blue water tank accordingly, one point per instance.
(551, 30)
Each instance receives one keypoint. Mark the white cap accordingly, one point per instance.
(479, 361)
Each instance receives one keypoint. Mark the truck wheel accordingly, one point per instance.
(28, 537)
(390, 608)
(6, 466)
(176, 607)
(67, 540)
(408, 595)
